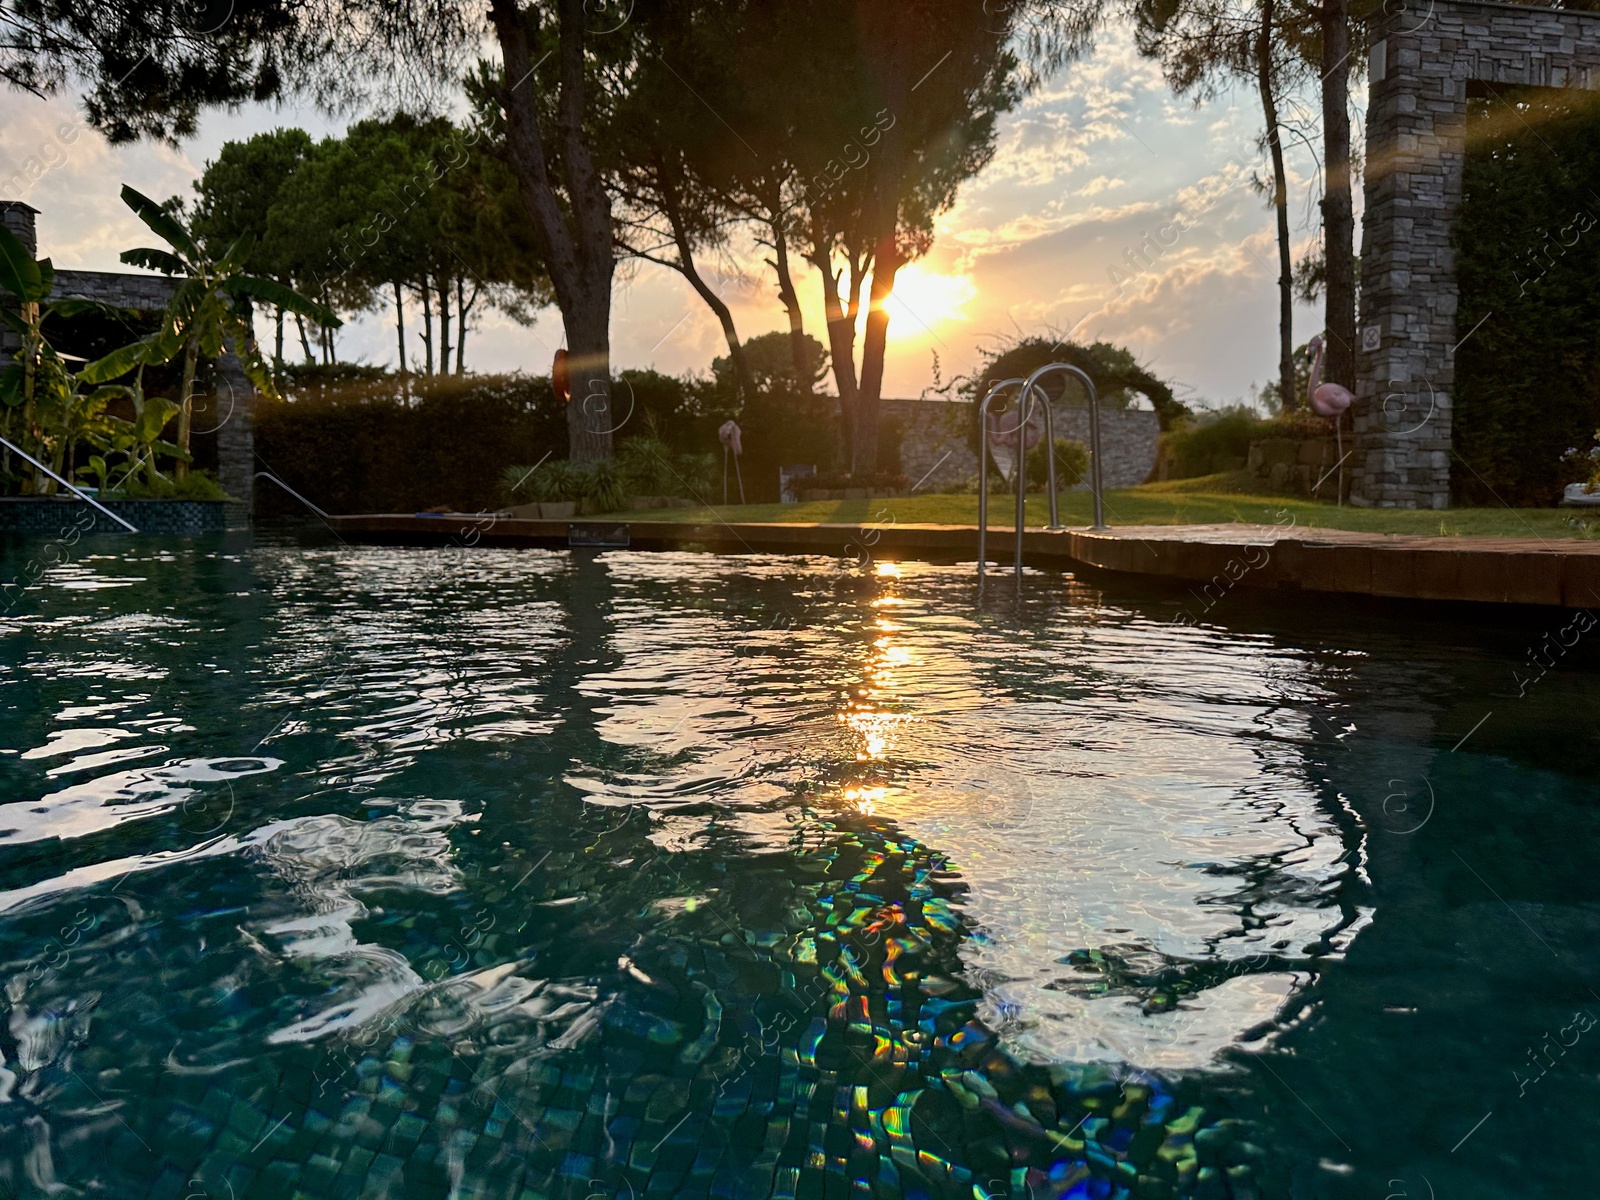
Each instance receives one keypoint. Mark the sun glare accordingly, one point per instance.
(923, 299)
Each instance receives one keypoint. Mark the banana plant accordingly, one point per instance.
(45, 407)
(138, 441)
(207, 312)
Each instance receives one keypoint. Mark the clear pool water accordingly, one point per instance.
(368, 872)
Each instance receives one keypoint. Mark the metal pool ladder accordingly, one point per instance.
(1025, 398)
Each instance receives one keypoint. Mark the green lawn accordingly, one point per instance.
(1208, 501)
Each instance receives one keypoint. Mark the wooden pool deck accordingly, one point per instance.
(1494, 570)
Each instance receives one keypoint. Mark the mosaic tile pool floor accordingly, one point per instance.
(333, 872)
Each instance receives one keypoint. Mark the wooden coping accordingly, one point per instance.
(1494, 570)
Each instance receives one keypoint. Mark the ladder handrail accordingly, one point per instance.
(1029, 387)
(1094, 442)
(291, 491)
(70, 487)
(983, 464)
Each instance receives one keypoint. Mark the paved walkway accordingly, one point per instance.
(1562, 572)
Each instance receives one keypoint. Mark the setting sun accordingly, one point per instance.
(923, 299)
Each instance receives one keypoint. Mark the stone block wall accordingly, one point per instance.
(1422, 61)
(934, 449)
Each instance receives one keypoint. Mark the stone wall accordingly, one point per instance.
(1309, 466)
(1423, 61)
(934, 450)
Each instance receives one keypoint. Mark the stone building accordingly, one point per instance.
(1426, 59)
(147, 295)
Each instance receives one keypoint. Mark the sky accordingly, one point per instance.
(1092, 168)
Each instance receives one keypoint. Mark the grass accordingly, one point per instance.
(1210, 500)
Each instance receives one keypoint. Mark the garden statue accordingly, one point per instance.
(728, 435)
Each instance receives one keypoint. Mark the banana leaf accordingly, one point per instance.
(12, 382)
(270, 291)
(162, 223)
(148, 351)
(183, 310)
(234, 259)
(155, 260)
(20, 274)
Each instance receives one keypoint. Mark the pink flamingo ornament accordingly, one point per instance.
(1329, 400)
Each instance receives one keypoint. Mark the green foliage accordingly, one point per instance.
(398, 203)
(1527, 380)
(209, 311)
(197, 485)
(45, 408)
(644, 466)
(1072, 464)
(1219, 440)
(770, 360)
(651, 467)
(1117, 376)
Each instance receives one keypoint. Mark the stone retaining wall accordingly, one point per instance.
(1309, 466)
(934, 450)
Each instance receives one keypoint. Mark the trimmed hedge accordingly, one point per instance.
(1527, 381)
(387, 445)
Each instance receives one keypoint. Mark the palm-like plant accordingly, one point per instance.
(37, 391)
(208, 311)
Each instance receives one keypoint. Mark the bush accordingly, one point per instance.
(1220, 440)
(198, 485)
(1072, 464)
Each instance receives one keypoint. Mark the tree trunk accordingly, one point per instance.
(841, 345)
(277, 347)
(462, 305)
(444, 325)
(590, 419)
(191, 358)
(400, 325)
(885, 266)
(1280, 203)
(305, 342)
(790, 299)
(1338, 221)
(427, 324)
(579, 253)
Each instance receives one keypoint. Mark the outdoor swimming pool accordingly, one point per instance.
(339, 872)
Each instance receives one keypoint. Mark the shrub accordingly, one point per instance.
(1072, 464)
(197, 485)
(1220, 440)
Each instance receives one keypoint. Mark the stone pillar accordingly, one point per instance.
(18, 218)
(1416, 126)
(236, 443)
(1424, 57)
